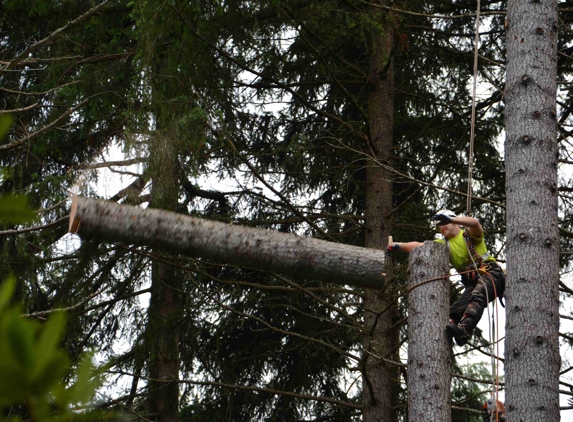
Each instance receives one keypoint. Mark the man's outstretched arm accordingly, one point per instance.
(404, 246)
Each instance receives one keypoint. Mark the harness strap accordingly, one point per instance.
(472, 249)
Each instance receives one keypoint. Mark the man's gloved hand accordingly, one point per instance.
(391, 248)
(442, 218)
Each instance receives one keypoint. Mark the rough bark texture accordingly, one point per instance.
(380, 309)
(532, 344)
(429, 364)
(166, 305)
(301, 257)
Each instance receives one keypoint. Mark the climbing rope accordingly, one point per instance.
(473, 121)
(493, 333)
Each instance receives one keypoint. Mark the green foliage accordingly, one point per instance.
(469, 394)
(5, 123)
(33, 366)
(14, 209)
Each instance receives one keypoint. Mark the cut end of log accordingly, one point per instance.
(74, 219)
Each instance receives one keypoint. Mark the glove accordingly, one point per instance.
(391, 248)
(442, 218)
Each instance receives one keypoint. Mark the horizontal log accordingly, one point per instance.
(288, 254)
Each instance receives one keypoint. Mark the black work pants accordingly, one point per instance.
(479, 292)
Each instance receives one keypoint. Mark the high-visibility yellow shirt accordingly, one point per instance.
(459, 254)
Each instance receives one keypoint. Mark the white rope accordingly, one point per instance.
(492, 334)
(472, 126)
(493, 338)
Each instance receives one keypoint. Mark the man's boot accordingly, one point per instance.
(462, 332)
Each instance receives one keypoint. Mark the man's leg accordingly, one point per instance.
(458, 308)
(457, 312)
(489, 286)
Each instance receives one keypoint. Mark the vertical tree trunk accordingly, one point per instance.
(429, 370)
(531, 152)
(379, 377)
(166, 305)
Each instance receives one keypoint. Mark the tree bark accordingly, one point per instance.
(429, 364)
(531, 152)
(301, 257)
(380, 379)
(165, 305)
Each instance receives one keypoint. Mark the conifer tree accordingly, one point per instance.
(312, 166)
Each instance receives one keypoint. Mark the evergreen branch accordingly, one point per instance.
(69, 308)
(134, 189)
(279, 84)
(23, 54)
(476, 380)
(248, 388)
(56, 223)
(53, 207)
(18, 110)
(115, 300)
(564, 289)
(413, 179)
(163, 259)
(25, 139)
(336, 309)
(318, 54)
(138, 415)
(435, 16)
(268, 185)
(265, 323)
(107, 164)
(567, 337)
(34, 60)
(467, 409)
(11, 91)
(97, 58)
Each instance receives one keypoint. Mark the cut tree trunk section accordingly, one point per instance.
(429, 363)
(288, 254)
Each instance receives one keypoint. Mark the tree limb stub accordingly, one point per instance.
(288, 254)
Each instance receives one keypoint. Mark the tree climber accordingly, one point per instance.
(493, 410)
(482, 277)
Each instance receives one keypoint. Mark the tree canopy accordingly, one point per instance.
(345, 121)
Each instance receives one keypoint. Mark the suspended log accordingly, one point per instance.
(288, 254)
(429, 364)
